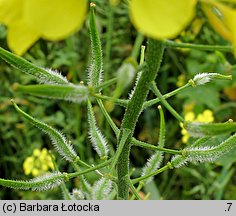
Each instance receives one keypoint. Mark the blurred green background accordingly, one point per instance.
(18, 139)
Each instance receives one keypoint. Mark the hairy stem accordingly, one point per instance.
(153, 59)
(173, 44)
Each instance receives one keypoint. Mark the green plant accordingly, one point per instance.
(113, 169)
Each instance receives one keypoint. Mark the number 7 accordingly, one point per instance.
(230, 204)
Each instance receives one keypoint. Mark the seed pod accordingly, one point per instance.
(95, 69)
(96, 137)
(59, 141)
(101, 189)
(203, 78)
(155, 160)
(73, 93)
(47, 76)
(41, 183)
(199, 129)
(204, 154)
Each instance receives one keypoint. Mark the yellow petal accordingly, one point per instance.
(229, 18)
(161, 18)
(54, 19)
(10, 10)
(20, 37)
(216, 22)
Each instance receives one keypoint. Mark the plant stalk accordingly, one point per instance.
(134, 108)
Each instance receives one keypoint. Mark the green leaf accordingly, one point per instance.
(61, 144)
(199, 129)
(73, 93)
(44, 75)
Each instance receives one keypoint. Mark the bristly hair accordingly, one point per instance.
(41, 183)
(101, 189)
(152, 164)
(49, 80)
(96, 137)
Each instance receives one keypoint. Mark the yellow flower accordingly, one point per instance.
(39, 163)
(29, 20)
(161, 19)
(189, 116)
(36, 152)
(166, 19)
(206, 116)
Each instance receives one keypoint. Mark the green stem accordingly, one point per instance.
(153, 147)
(124, 103)
(107, 116)
(105, 84)
(153, 59)
(75, 174)
(140, 186)
(63, 187)
(83, 182)
(162, 132)
(117, 101)
(138, 42)
(165, 103)
(165, 96)
(120, 148)
(82, 163)
(173, 44)
(166, 167)
(65, 191)
(135, 192)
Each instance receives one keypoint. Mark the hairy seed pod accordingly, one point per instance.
(41, 183)
(59, 141)
(47, 76)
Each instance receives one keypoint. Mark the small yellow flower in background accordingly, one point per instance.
(29, 20)
(206, 116)
(180, 80)
(39, 163)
